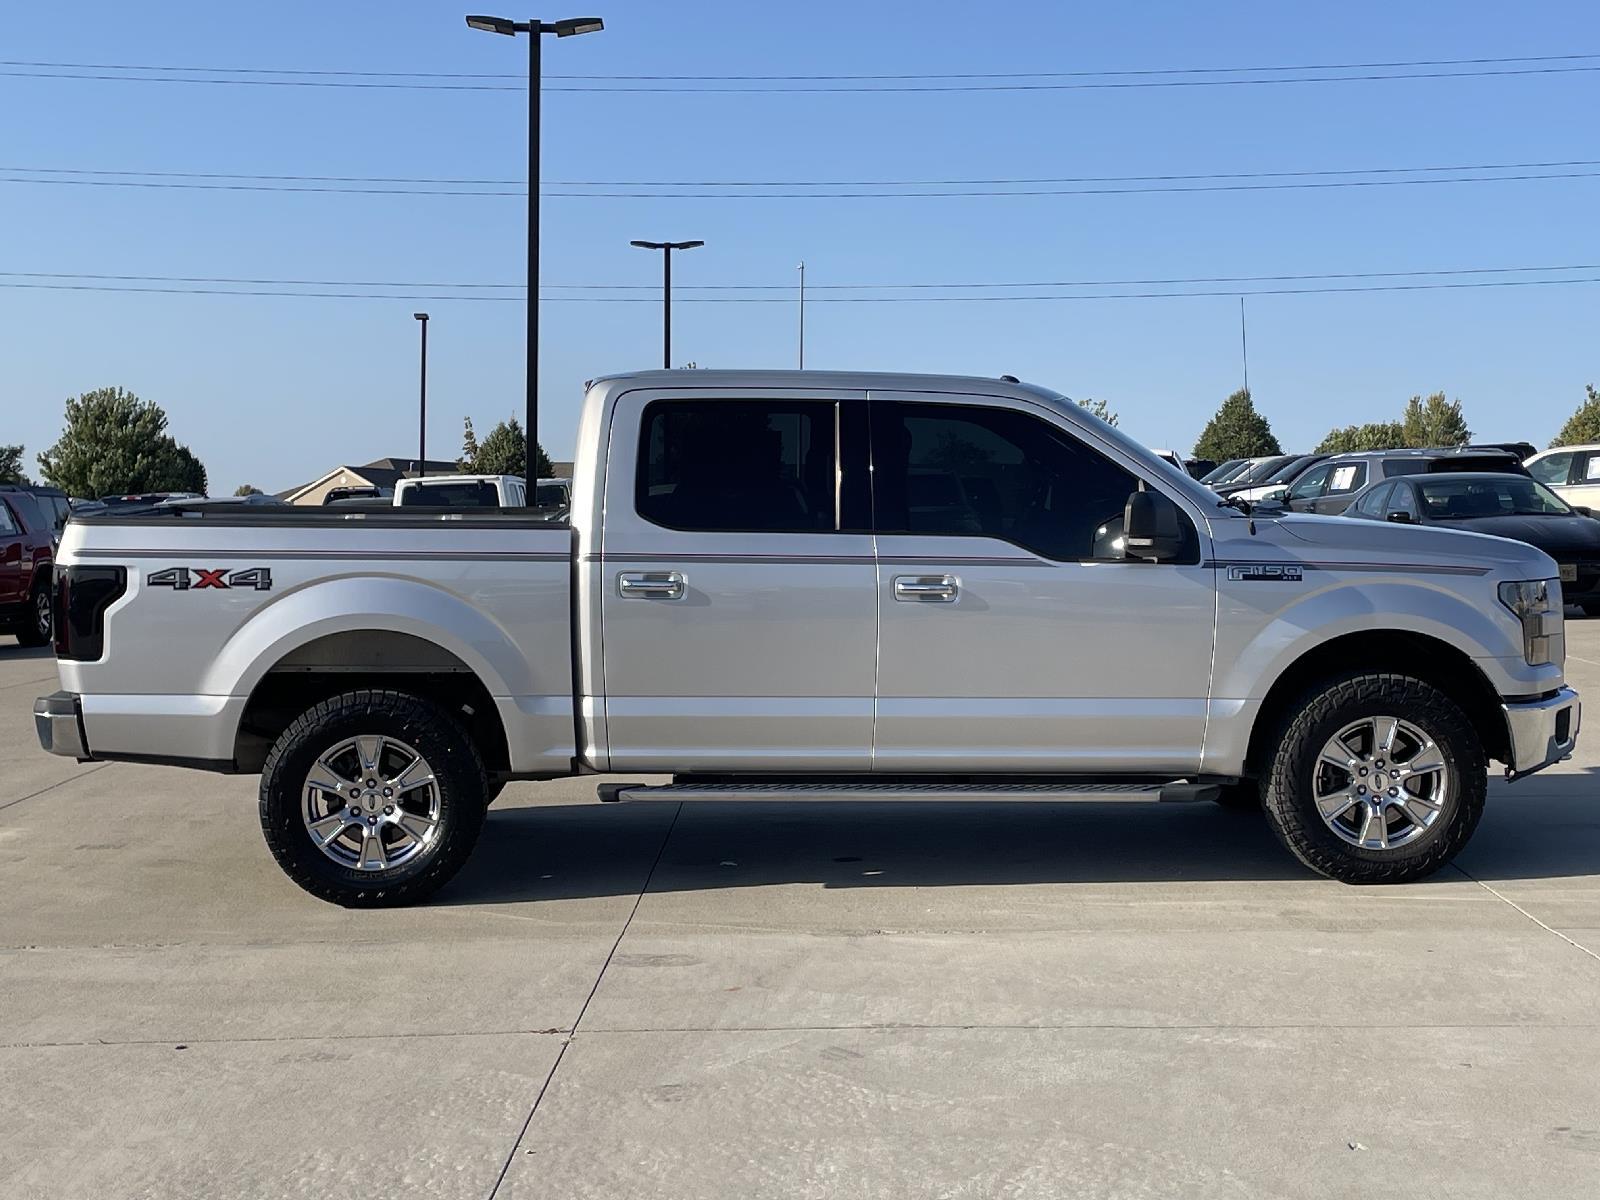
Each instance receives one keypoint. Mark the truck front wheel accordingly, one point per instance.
(1377, 778)
(373, 798)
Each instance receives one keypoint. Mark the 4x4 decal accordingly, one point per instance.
(178, 578)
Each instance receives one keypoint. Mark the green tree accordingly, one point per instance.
(1434, 422)
(115, 442)
(1374, 435)
(469, 445)
(1584, 425)
(1100, 409)
(503, 451)
(1236, 431)
(247, 489)
(11, 465)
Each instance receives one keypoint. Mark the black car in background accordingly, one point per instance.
(1505, 505)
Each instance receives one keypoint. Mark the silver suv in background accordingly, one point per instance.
(1330, 487)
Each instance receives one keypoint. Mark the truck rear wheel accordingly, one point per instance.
(373, 798)
(1377, 778)
(36, 626)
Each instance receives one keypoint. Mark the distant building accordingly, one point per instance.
(382, 472)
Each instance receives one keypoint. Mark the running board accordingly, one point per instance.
(1178, 791)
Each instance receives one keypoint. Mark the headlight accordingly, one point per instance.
(1537, 604)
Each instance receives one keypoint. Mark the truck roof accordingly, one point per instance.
(777, 378)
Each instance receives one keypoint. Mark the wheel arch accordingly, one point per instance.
(1424, 657)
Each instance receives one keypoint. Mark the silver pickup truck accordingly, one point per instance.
(791, 585)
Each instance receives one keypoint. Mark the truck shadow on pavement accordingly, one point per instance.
(1547, 827)
(12, 651)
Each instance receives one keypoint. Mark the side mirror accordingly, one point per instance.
(1400, 517)
(1152, 528)
(1583, 510)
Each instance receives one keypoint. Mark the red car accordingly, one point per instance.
(31, 520)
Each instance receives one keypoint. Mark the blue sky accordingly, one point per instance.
(277, 390)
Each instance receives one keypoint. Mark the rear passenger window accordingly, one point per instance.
(1372, 504)
(8, 525)
(732, 466)
(1346, 478)
(956, 470)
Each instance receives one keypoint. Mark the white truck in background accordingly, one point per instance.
(816, 585)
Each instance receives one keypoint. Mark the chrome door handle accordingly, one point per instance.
(937, 589)
(637, 585)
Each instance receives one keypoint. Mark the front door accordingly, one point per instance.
(738, 627)
(1305, 491)
(1014, 637)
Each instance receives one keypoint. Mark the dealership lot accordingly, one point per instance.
(764, 1000)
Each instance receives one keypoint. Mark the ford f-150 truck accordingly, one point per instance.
(791, 585)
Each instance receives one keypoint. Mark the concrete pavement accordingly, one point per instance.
(753, 1001)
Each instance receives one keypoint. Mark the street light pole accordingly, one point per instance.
(534, 28)
(666, 249)
(422, 399)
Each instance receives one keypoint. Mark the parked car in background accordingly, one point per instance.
(28, 536)
(1199, 468)
(254, 500)
(358, 493)
(1222, 471)
(1510, 506)
(461, 491)
(1276, 485)
(1330, 486)
(1172, 457)
(1220, 478)
(552, 493)
(145, 499)
(1572, 472)
(1258, 474)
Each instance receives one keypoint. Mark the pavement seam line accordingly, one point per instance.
(561, 1053)
(1547, 928)
(54, 786)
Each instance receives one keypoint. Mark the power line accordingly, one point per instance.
(806, 183)
(834, 78)
(786, 288)
(1231, 292)
(1300, 185)
(822, 88)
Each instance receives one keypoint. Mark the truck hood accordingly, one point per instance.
(1365, 543)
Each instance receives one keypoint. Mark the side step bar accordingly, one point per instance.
(1178, 791)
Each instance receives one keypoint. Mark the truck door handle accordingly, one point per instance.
(638, 585)
(936, 589)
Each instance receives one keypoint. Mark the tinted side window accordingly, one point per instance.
(1552, 468)
(1372, 504)
(1404, 500)
(8, 524)
(942, 469)
(1405, 466)
(738, 465)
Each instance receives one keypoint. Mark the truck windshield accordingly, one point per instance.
(477, 494)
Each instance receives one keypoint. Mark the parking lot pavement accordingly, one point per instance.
(757, 1000)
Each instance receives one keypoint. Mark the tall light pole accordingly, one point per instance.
(666, 249)
(533, 28)
(422, 399)
(802, 316)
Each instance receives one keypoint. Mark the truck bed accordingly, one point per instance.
(221, 606)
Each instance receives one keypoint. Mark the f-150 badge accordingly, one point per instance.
(1265, 573)
(182, 579)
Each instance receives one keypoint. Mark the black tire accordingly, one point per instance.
(1288, 794)
(37, 626)
(459, 779)
(1244, 796)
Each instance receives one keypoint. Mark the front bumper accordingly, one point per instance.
(1542, 731)
(58, 720)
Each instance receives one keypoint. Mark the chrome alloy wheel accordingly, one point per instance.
(42, 617)
(1380, 783)
(371, 803)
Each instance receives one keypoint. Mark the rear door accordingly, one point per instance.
(738, 623)
(1584, 485)
(1013, 635)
